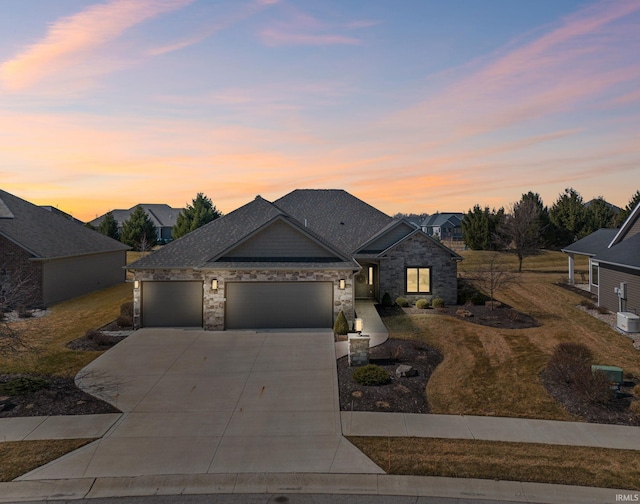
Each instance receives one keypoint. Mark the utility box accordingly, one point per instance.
(614, 373)
(628, 322)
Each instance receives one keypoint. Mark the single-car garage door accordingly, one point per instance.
(172, 304)
(271, 305)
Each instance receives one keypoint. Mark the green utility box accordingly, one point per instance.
(614, 373)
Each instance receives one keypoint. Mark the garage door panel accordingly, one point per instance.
(172, 304)
(254, 305)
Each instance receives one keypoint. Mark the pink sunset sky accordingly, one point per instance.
(413, 106)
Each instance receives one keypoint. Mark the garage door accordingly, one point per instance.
(172, 304)
(257, 305)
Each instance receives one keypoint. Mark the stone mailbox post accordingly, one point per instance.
(358, 349)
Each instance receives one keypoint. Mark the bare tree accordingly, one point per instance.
(18, 291)
(492, 277)
(521, 232)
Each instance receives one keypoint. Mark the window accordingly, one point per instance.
(594, 273)
(418, 280)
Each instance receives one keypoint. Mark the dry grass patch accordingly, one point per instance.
(539, 463)
(489, 371)
(47, 336)
(20, 457)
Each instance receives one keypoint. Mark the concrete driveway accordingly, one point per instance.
(198, 402)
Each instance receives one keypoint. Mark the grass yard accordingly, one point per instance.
(489, 371)
(538, 463)
(66, 321)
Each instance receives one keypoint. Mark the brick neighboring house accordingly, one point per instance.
(163, 217)
(614, 258)
(295, 262)
(57, 258)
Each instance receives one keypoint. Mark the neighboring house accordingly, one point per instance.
(163, 217)
(446, 226)
(60, 258)
(294, 262)
(614, 259)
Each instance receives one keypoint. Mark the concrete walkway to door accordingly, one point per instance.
(197, 402)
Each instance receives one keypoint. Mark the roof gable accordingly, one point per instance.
(161, 214)
(425, 236)
(592, 244)
(386, 237)
(47, 235)
(335, 215)
(277, 241)
(630, 228)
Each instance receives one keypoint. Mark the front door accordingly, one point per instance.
(367, 281)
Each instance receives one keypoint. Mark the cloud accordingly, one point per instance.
(74, 39)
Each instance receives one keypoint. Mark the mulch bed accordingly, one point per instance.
(100, 339)
(59, 396)
(616, 412)
(402, 395)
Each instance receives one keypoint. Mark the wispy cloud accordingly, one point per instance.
(75, 38)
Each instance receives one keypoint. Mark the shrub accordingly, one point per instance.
(400, 301)
(24, 312)
(371, 375)
(437, 303)
(636, 391)
(124, 321)
(587, 304)
(91, 334)
(422, 304)
(602, 310)
(635, 407)
(468, 294)
(126, 309)
(386, 299)
(23, 385)
(341, 326)
(567, 360)
(102, 339)
(594, 387)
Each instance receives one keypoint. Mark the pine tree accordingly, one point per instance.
(199, 213)
(109, 226)
(139, 231)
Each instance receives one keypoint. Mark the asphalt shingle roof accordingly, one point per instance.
(593, 244)
(47, 235)
(161, 215)
(625, 253)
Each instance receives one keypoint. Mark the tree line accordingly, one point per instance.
(140, 233)
(527, 226)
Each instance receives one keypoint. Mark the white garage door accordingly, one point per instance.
(273, 305)
(172, 304)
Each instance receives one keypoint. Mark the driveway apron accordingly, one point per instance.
(198, 402)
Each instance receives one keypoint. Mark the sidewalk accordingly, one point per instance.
(56, 427)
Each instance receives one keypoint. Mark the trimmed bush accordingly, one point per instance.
(124, 321)
(422, 304)
(635, 407)
(386, 300)
(91, 334)
(636, 391)
(126, 309)
(23, 385)
(341, 326)
(371, 375)
(567, 361)
(437, 303)
(400, 301)
(602, 310)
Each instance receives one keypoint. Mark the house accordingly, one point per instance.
(614, 264)
(446, 226)
(163, 217)
(295, 262)
(53, 257)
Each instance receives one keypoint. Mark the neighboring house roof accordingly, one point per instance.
(161, 215)
(592, 244)
(333, 221)
(616, 209)
(47, 235)
(620, 247)
(454, 219)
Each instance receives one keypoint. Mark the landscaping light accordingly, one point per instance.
(136, 284)
(342, 284)
(358, 325)
(214, 284)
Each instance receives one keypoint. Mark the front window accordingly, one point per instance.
(418, 280)
(594, 273)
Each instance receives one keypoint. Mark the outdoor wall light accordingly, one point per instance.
(136, 284)
(214, 284)
(341, 284)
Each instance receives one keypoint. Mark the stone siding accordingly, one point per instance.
(214, 300)
(419, 251)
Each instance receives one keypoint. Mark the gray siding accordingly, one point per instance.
(75, 276)
(279, 240)
(633, 230)
(610, 277)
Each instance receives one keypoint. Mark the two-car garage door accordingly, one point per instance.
(271, 305)
(249, 305)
